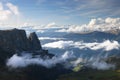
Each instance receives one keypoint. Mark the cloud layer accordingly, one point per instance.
(50, 38)
(67, 58)
(106, 45)
(59, 44)
(104, 25)
(26, 59)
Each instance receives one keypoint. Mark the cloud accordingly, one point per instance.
(106, 45)
(26, 59)
(95, 62)
(102, 65)
(67, 58)
(1, 6)
(13, 8)
(49, 38)
(79, 60)
(59, 44)
(52, 24)
(5, 14)
(45, 26)
(103, 25)
(90, 8)
(98, 62)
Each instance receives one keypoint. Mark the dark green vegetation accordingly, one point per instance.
(32, 72)
(92, 74)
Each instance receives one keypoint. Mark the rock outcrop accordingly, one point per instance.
(16, 40)
(34, 42)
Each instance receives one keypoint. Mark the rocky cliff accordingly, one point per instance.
(16, 40)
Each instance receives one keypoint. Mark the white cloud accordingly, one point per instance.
(16, 61)
(4, 14)
(90, 8)
(59, 44)
(22, 61)
(51, 24)
(98, 62)
(13, 8)
(1, 6)
(78, 61)
(99, 24)
(44, 26)
(105, 45)
(102, 65)
(9, 15)
(67, 58)
(49, 38)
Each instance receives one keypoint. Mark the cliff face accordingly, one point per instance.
(34, 42)
(16, 40)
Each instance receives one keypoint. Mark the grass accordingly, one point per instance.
(77, 68)
(92, 75)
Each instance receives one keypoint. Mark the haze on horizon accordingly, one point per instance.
(60, 12)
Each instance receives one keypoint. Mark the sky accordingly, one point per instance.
(61, 12)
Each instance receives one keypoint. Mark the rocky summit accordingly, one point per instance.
(16, 40)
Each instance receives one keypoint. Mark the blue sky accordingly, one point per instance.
(62, 12)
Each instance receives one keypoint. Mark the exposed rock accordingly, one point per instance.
(34, 42)
(3, 56)
(16, 40)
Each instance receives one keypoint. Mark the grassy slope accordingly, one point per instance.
(91, 74)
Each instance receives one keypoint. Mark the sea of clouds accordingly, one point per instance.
(68, 60)
(27, 59)
(99, 24)
(106, 45)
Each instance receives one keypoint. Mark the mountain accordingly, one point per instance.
(15, 41)
(93, 36)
